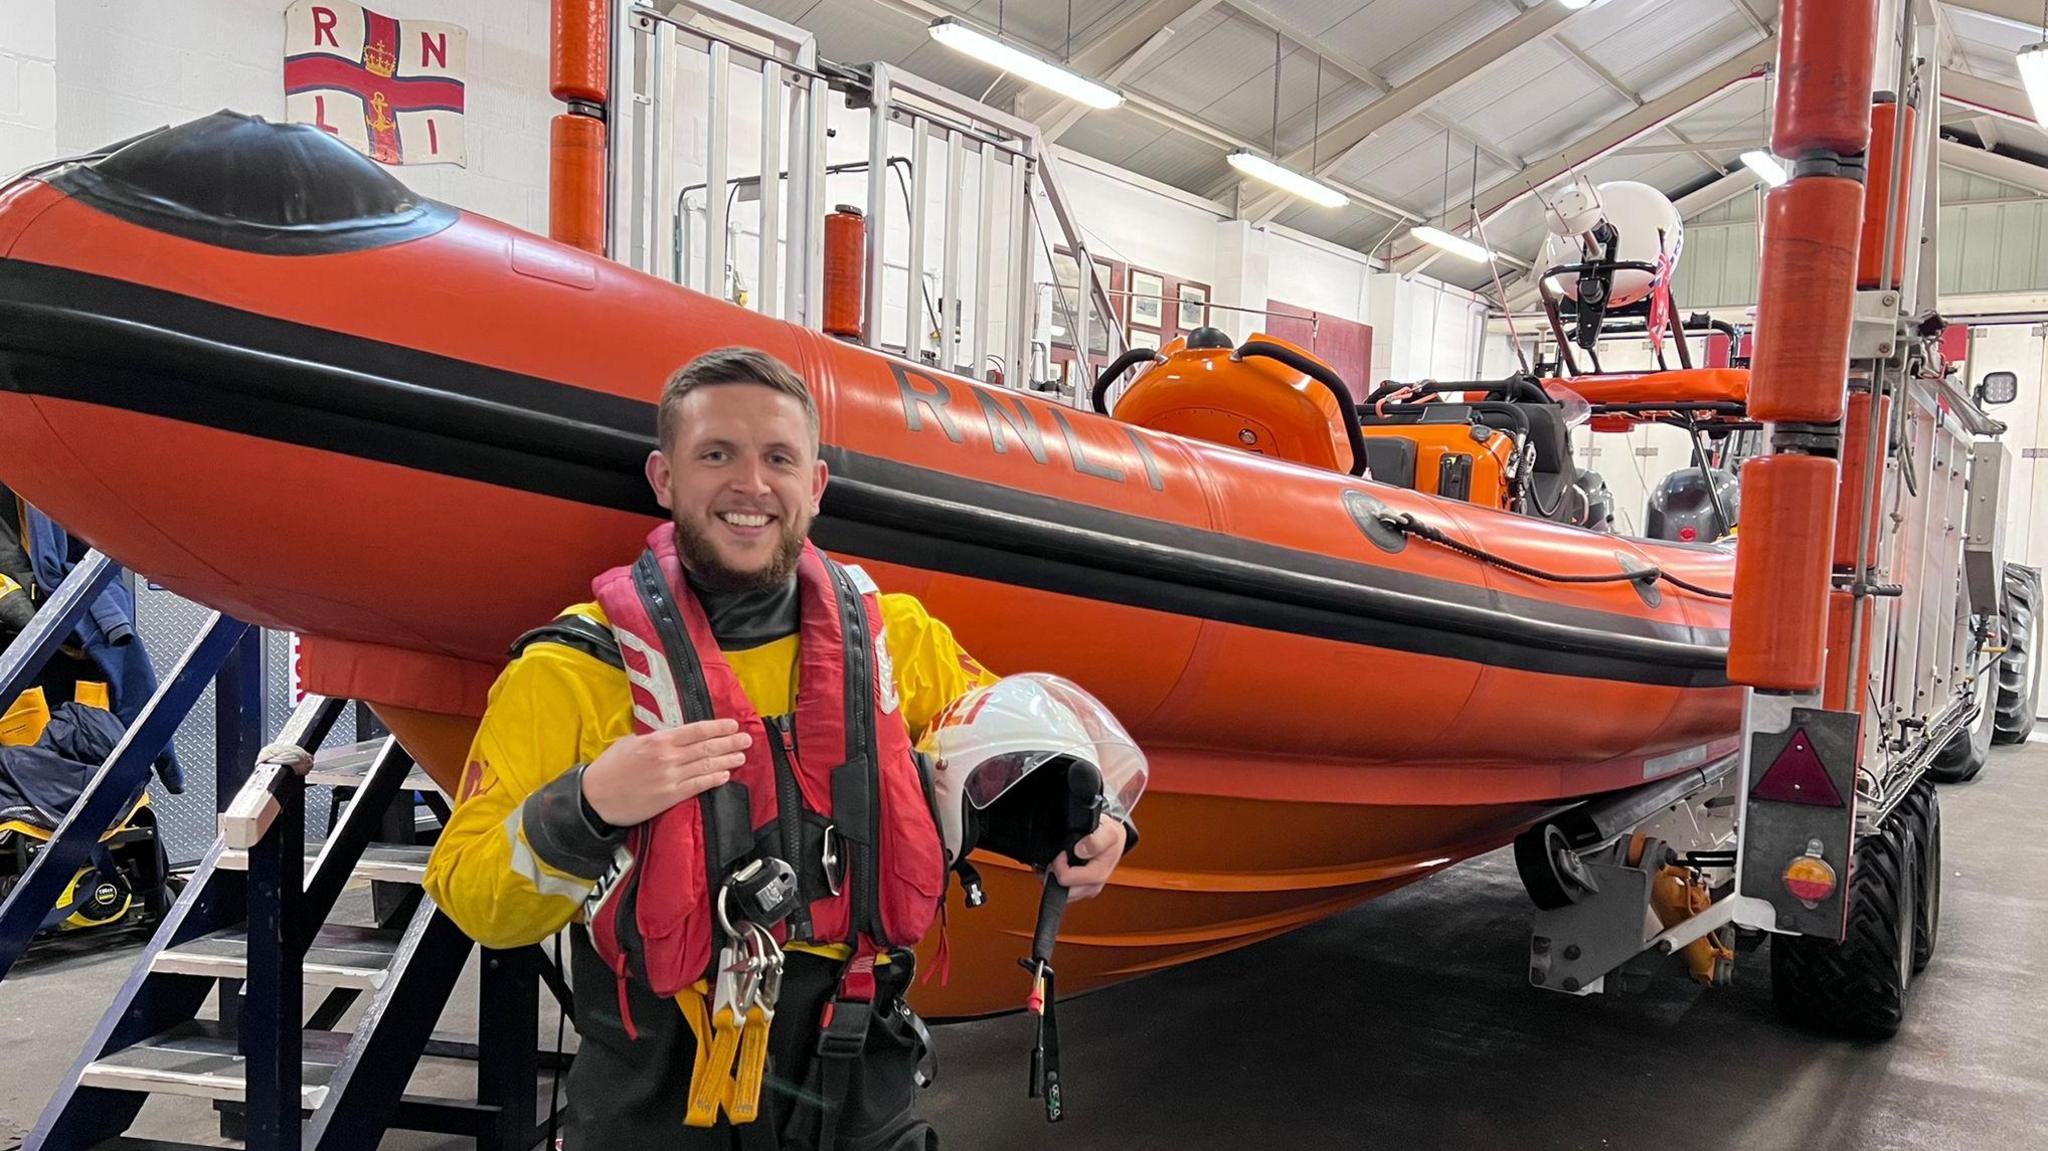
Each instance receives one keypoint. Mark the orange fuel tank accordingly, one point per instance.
(1255, 403)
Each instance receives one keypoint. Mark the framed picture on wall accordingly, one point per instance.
(1194, 306)
(1070, 295)
(1098, 324)
(1148, 300)
(1066, 291)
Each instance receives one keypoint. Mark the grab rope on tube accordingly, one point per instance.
(1406, 523)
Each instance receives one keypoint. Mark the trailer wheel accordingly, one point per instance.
(1551, 872)
(1968, 750)
(2019, 669)
(1857, 987)
(1922, 809)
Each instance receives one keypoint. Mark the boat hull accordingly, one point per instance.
(411, 453)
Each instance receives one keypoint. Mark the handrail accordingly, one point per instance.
(269, 815)
(26, 656)
(953, 134)
(112, 791)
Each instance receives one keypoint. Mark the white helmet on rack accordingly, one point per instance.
(991, 741)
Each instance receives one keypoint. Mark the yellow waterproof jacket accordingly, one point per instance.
(518, 858)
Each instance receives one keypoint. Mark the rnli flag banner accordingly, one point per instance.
(391, 89)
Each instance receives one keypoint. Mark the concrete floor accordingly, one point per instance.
(1407, 1023)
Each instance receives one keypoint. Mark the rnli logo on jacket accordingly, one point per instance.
(885, 674)
(476, 779)
(608, 883)
(390, 89)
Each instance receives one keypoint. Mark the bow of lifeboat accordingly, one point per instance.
(249, 364)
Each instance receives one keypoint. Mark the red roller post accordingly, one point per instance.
(579, 74)
(1779, 630)
(1843, 616)
(579, 63)
(1826, 50)
(1806, 300)
(576, 182)
(1856, 461)
(1781, 573)
(1877, 191)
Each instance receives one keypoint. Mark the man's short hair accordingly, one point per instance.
(730, 366)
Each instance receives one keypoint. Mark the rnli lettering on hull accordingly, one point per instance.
(930, 402)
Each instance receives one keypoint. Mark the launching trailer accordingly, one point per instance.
(1871, 622)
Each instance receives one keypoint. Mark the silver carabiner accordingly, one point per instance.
(725, 918)
(828, 856)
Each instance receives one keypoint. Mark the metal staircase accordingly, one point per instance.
(254, 923)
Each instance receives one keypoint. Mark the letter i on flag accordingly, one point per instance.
(390, 89)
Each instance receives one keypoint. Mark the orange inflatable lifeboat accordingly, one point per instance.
(251, 365)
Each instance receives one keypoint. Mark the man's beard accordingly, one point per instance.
(700, 556)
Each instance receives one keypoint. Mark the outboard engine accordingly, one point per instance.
(1694, 505)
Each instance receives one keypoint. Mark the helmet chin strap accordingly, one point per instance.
(1045, 1043)
(1085, 806)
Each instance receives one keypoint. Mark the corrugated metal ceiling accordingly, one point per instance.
(1217, 68)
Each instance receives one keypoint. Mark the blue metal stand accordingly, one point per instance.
(151, 1002)
(284, 901)
(113, 788)
(24, 658)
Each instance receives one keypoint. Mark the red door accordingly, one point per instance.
(1345, 345)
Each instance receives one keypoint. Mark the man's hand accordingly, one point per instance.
(641, 776)
(1102, 849)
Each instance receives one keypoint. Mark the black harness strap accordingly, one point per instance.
(858, 781)
(573, 631)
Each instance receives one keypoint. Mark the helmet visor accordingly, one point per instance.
(997, 736)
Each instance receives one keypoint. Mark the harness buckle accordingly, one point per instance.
(843, 1032)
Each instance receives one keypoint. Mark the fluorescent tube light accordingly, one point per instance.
(1766, 166)
(971, 41)
(1287, 179)
(2033, 62)
(1455, 245)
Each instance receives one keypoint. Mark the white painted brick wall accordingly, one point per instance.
(28, 83)
(76, 74)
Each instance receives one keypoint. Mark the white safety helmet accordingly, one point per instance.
(994, 738)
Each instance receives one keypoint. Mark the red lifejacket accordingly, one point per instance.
(842, 761)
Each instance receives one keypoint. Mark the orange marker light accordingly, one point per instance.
(1810, 878)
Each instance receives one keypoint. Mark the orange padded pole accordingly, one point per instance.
(576, 182)
(1842, 616)
(580, 47)
(1877, 190)
(1826, 50)
(1856, 462)
(579, 74)
(1806, 298)
(1781, 573)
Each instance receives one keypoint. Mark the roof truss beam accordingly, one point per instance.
(1336, 141)
(1113, 56)
(1991, 165)
(1359, 73)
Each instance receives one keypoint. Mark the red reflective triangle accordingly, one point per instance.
(1798, 776)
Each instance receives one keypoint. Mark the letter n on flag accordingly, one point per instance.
(391, 89)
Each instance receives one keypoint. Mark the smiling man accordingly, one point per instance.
(624, 776)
